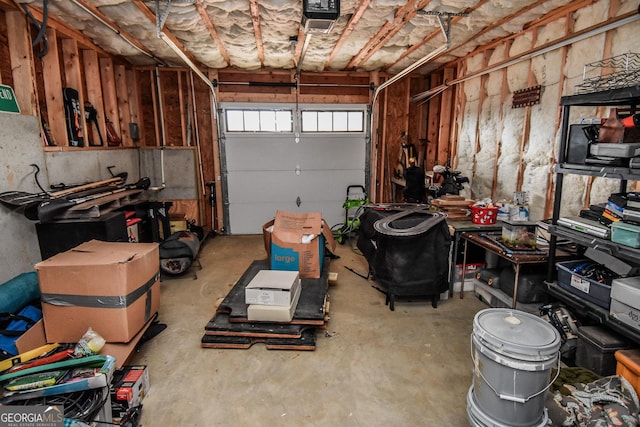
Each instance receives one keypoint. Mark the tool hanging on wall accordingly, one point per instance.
(73, 115)
(91, 115)
(112, 136)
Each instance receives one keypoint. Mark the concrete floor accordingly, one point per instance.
(371, 367)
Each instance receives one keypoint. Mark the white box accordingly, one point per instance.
(274, 313)
(625, 301)
(272, 287)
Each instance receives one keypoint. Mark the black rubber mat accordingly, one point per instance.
(310, 309)
(306, 342)
(220, 325)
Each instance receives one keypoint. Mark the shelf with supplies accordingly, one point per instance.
(592, 311)
(604, 245)
(629, 99)
(613, 172)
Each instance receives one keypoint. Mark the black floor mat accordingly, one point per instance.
(310, 308)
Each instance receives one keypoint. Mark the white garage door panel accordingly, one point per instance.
(269, 155)
(261, 154)
(249, 218)
(335, 153)
(284, 186)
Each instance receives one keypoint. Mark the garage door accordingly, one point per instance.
(305, 164)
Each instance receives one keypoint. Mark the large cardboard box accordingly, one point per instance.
(111, 287)
(296, 242)
(272, 287)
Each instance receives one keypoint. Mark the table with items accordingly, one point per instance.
(491, 242)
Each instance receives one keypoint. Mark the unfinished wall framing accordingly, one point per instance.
(505, 149)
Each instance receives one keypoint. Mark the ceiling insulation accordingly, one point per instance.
(386, 35)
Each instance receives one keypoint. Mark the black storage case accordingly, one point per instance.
(596, 349)
(60, 236)
(531, 285)
(410, 265)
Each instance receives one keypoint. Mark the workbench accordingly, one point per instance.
(517, 258)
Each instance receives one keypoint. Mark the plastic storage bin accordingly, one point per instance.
(625, 234)
(628, 366)
(596, 349)
(595, 292)
(519, 234)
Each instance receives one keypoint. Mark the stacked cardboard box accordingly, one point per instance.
(272, 295)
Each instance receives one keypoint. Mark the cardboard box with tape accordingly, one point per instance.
(295, 242)
(111, 287)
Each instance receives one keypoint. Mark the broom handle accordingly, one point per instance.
(62, 193)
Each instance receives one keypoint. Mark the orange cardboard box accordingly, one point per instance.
(296, 242)
(111, 287)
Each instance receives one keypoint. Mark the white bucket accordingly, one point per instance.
(479, 419)
(513, 353)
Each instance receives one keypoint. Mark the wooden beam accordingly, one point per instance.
(135, 108)
(255, 20)
(459, 116)
(526, 131)
(504, 91)
(21, 54)
(110, 98)
(215, 147)
(550, 194)
(351, 25)
(433, 119)
(123, 106)
(73, 77)
(206, 19)
(93, 135)
(53, 89)
(388, 30)
(156, 115)
(183, 107)
(446, 118)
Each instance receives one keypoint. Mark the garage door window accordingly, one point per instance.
(259, 120)
(332, 121)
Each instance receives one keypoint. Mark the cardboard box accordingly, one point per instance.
(625, 301)
(628, 366)
(33, 338)
(272, 287)
(130, 386)
(297, 243)
(274, 313)
(111, 287)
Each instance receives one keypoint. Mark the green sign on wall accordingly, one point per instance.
(8, 101)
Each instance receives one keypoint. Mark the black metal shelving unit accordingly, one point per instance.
(628, 97)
